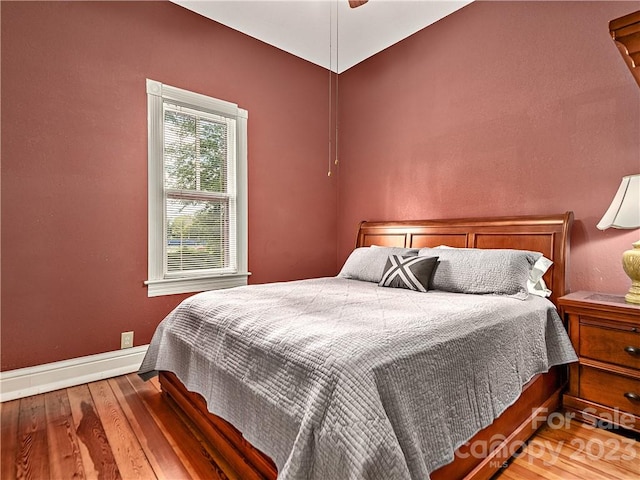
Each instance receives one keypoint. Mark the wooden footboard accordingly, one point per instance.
(496, 443)
(246, 460)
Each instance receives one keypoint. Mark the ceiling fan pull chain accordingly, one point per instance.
(330, 86)
(337, 77)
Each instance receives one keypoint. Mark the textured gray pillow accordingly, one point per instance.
(483, 271)
(367, 263)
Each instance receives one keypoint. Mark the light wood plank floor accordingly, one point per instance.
(122, 428)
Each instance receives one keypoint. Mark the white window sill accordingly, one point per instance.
(172, 286)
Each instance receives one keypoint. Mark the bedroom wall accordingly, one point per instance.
(502, 108)
(74, 165)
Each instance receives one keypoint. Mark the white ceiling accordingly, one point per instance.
(307, 28)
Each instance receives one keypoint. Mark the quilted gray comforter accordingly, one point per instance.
(340, 379)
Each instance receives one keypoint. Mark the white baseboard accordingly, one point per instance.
(24, 382)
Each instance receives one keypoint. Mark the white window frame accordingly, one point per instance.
(159, 283)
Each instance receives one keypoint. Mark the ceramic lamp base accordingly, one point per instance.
(631, 265)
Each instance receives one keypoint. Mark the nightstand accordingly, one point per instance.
(605, 384)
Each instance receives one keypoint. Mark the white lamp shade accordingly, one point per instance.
(624, 211)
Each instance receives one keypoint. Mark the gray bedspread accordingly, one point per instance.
(340, 379)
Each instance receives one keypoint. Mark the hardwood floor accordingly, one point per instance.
(579, 451)
(119, 428)
(122, 428)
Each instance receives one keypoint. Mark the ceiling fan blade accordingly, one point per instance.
(357, 3)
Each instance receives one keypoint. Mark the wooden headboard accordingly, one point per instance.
(548, 234)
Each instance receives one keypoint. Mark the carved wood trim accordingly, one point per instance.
(625, 32)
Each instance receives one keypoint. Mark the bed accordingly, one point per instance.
(358, 415)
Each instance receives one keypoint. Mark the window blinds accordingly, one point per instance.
(199, 190)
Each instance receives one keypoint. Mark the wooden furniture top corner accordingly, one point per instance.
(625, 32)
(601, 302)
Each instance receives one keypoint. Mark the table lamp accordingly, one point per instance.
(624, 212)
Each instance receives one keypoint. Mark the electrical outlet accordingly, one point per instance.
(126, 340)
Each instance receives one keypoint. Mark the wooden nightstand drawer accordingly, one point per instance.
(610, 345)
(605, 332)
(616, 391)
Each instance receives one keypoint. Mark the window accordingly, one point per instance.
(197, 192)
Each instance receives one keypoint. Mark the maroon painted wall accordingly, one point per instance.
(502, 108)
(74, 165)
(499, 109)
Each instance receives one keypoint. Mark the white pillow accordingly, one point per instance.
(535, 283)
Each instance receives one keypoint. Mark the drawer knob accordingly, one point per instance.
(632, 396)
(632, 350)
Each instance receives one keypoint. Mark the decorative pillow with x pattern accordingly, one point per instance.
(411, 272)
